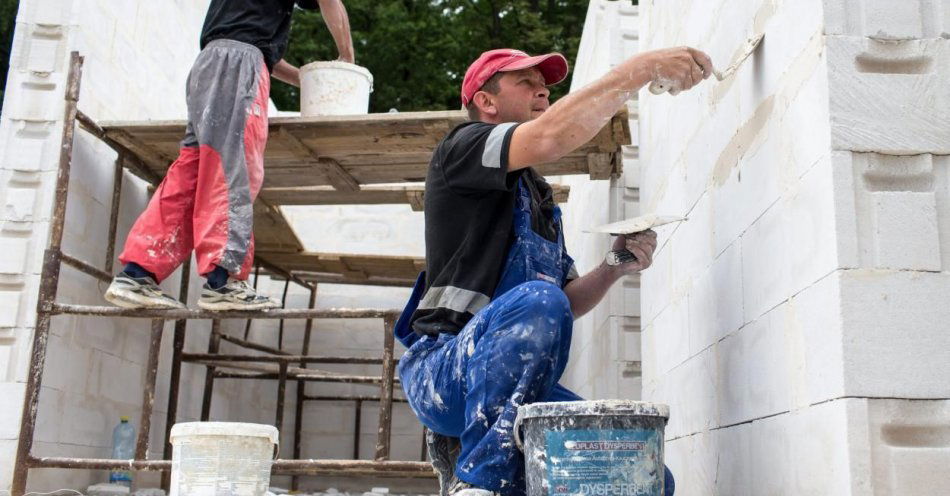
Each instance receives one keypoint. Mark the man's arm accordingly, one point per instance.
(576, 118)
(586, 292)
(286, 72)
(334, 15)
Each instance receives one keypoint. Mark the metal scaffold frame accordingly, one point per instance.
(290, 367)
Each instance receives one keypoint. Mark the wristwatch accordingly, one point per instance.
(619, 257)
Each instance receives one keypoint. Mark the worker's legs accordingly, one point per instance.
(160, 239)
(470, 386)
(227, 103)
(206, 200)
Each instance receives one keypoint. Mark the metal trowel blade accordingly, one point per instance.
(751, 45)
(636, 224)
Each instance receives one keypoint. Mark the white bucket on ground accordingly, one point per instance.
(212, 458)
(334, 88)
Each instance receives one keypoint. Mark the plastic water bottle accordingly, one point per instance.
(123, 448)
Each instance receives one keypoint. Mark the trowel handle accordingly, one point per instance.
(620, 257)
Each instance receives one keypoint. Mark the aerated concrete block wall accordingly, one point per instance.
(137, 57)
(797, 323)
(605, 351)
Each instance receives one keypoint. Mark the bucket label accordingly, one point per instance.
(617, 462)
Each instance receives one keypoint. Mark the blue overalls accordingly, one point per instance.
(512, 352)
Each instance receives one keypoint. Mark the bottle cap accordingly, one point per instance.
(124, 418)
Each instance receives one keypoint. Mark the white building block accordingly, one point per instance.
(942, 190)
(906, 231)
(648, 365)
(26, 152)
(694, 462)
(15, 255)
(10, 303)
(786, 250)
(659, 279)
(895, 19)
(765, 270)
(870, 109)
(735, 467)
(690, 390)
(886, 19)
(715, 301)
(910, 446)
(753, 373)
(671, 336)
(10, 415)
(692, 242)
(812, 328)
(895, 326)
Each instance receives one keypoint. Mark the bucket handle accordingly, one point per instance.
(517, 430)
(277, 449)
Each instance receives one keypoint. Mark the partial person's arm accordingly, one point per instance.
(586, 291)
(286, 72)
(573, 120)
(334, 15)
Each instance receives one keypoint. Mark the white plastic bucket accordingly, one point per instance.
(334, 88)
(213, 458)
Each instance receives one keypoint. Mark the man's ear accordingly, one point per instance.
(485, 103)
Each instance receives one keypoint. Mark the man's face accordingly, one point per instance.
(522, 96)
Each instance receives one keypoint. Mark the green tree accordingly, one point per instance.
(8, 10)
(418, 50)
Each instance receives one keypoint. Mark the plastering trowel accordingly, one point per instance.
(658, 88)
(631, 226)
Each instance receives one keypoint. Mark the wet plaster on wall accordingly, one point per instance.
(762, 17)
(753, 132)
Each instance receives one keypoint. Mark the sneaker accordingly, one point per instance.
(465, 489)
(443, 455)
(235, 295)
(131, 292)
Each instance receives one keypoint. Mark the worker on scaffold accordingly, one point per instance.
(205, 203)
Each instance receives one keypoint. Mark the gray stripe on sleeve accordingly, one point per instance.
(491, 157)
(455, 299)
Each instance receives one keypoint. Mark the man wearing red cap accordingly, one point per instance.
(488, 327)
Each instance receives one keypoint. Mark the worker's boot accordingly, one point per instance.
(235, 295)
(139, 292)
(443, 455)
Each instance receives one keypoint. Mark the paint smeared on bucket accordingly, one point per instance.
(593, 448)
(212, 458)
(334, 88)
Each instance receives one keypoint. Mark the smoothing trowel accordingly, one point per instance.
(631, 226)
(660, 87)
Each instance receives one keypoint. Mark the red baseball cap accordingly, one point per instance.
(553, 67)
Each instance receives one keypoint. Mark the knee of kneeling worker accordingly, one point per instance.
(541, 297)
(546, 316)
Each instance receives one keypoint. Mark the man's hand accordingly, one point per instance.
(679, 68)
(642, 245)
(586, 291)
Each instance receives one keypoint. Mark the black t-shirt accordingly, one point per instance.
(262, 23)
(469, 203)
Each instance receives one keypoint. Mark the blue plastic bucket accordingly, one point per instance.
(593, 448)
